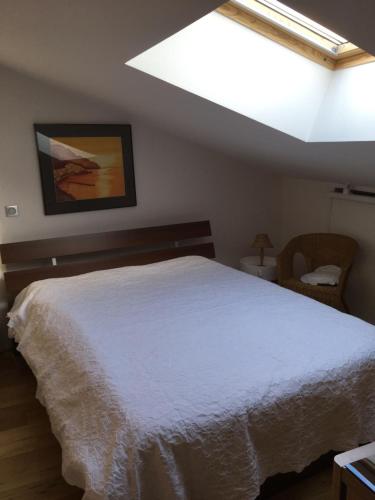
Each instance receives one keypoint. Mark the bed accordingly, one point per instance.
(186, 379)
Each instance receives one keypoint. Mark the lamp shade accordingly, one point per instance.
(262, 241)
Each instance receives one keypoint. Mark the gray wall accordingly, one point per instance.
(176, 180)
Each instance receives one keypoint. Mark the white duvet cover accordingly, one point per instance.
(189, 380)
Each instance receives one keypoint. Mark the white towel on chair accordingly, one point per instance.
(323, 275)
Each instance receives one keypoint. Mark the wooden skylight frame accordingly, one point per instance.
(284, 30)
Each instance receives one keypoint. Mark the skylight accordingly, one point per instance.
(303, 21)
(241, 61)
(278, 21)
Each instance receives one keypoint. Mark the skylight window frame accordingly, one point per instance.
(257, 16)
(302, 20)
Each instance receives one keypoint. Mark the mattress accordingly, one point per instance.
(187, 379)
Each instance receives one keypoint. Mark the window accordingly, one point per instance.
(284, 25)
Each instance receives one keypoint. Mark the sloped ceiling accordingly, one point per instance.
(83, 45)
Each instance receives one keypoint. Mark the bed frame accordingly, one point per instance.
(101, 251)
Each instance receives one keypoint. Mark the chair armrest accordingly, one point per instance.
(343, 277)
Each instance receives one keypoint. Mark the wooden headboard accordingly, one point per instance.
(138, 243)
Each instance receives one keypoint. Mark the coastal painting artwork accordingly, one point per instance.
(85, 167)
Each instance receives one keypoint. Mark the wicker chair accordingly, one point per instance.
(318, 250)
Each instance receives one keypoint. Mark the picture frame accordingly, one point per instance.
(85, 167)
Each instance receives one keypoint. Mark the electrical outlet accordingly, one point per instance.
(11, 211)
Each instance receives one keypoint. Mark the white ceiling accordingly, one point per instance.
(83, 44)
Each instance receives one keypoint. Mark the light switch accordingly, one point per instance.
(11, 211)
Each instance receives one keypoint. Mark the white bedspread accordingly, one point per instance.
(189, 380)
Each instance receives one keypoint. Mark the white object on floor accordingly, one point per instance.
(250, 265)
(360, 453)
(188, 376)
(323, 275)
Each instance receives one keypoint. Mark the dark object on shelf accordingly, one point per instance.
(357, 192)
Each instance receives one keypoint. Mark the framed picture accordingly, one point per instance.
(85, 167)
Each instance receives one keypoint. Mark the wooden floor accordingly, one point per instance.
(30, 457)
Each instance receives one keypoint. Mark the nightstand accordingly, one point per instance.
(346, 485)
(250, 265)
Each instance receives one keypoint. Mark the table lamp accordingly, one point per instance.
(261, 241)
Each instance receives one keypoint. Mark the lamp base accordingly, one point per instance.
(261, 251)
